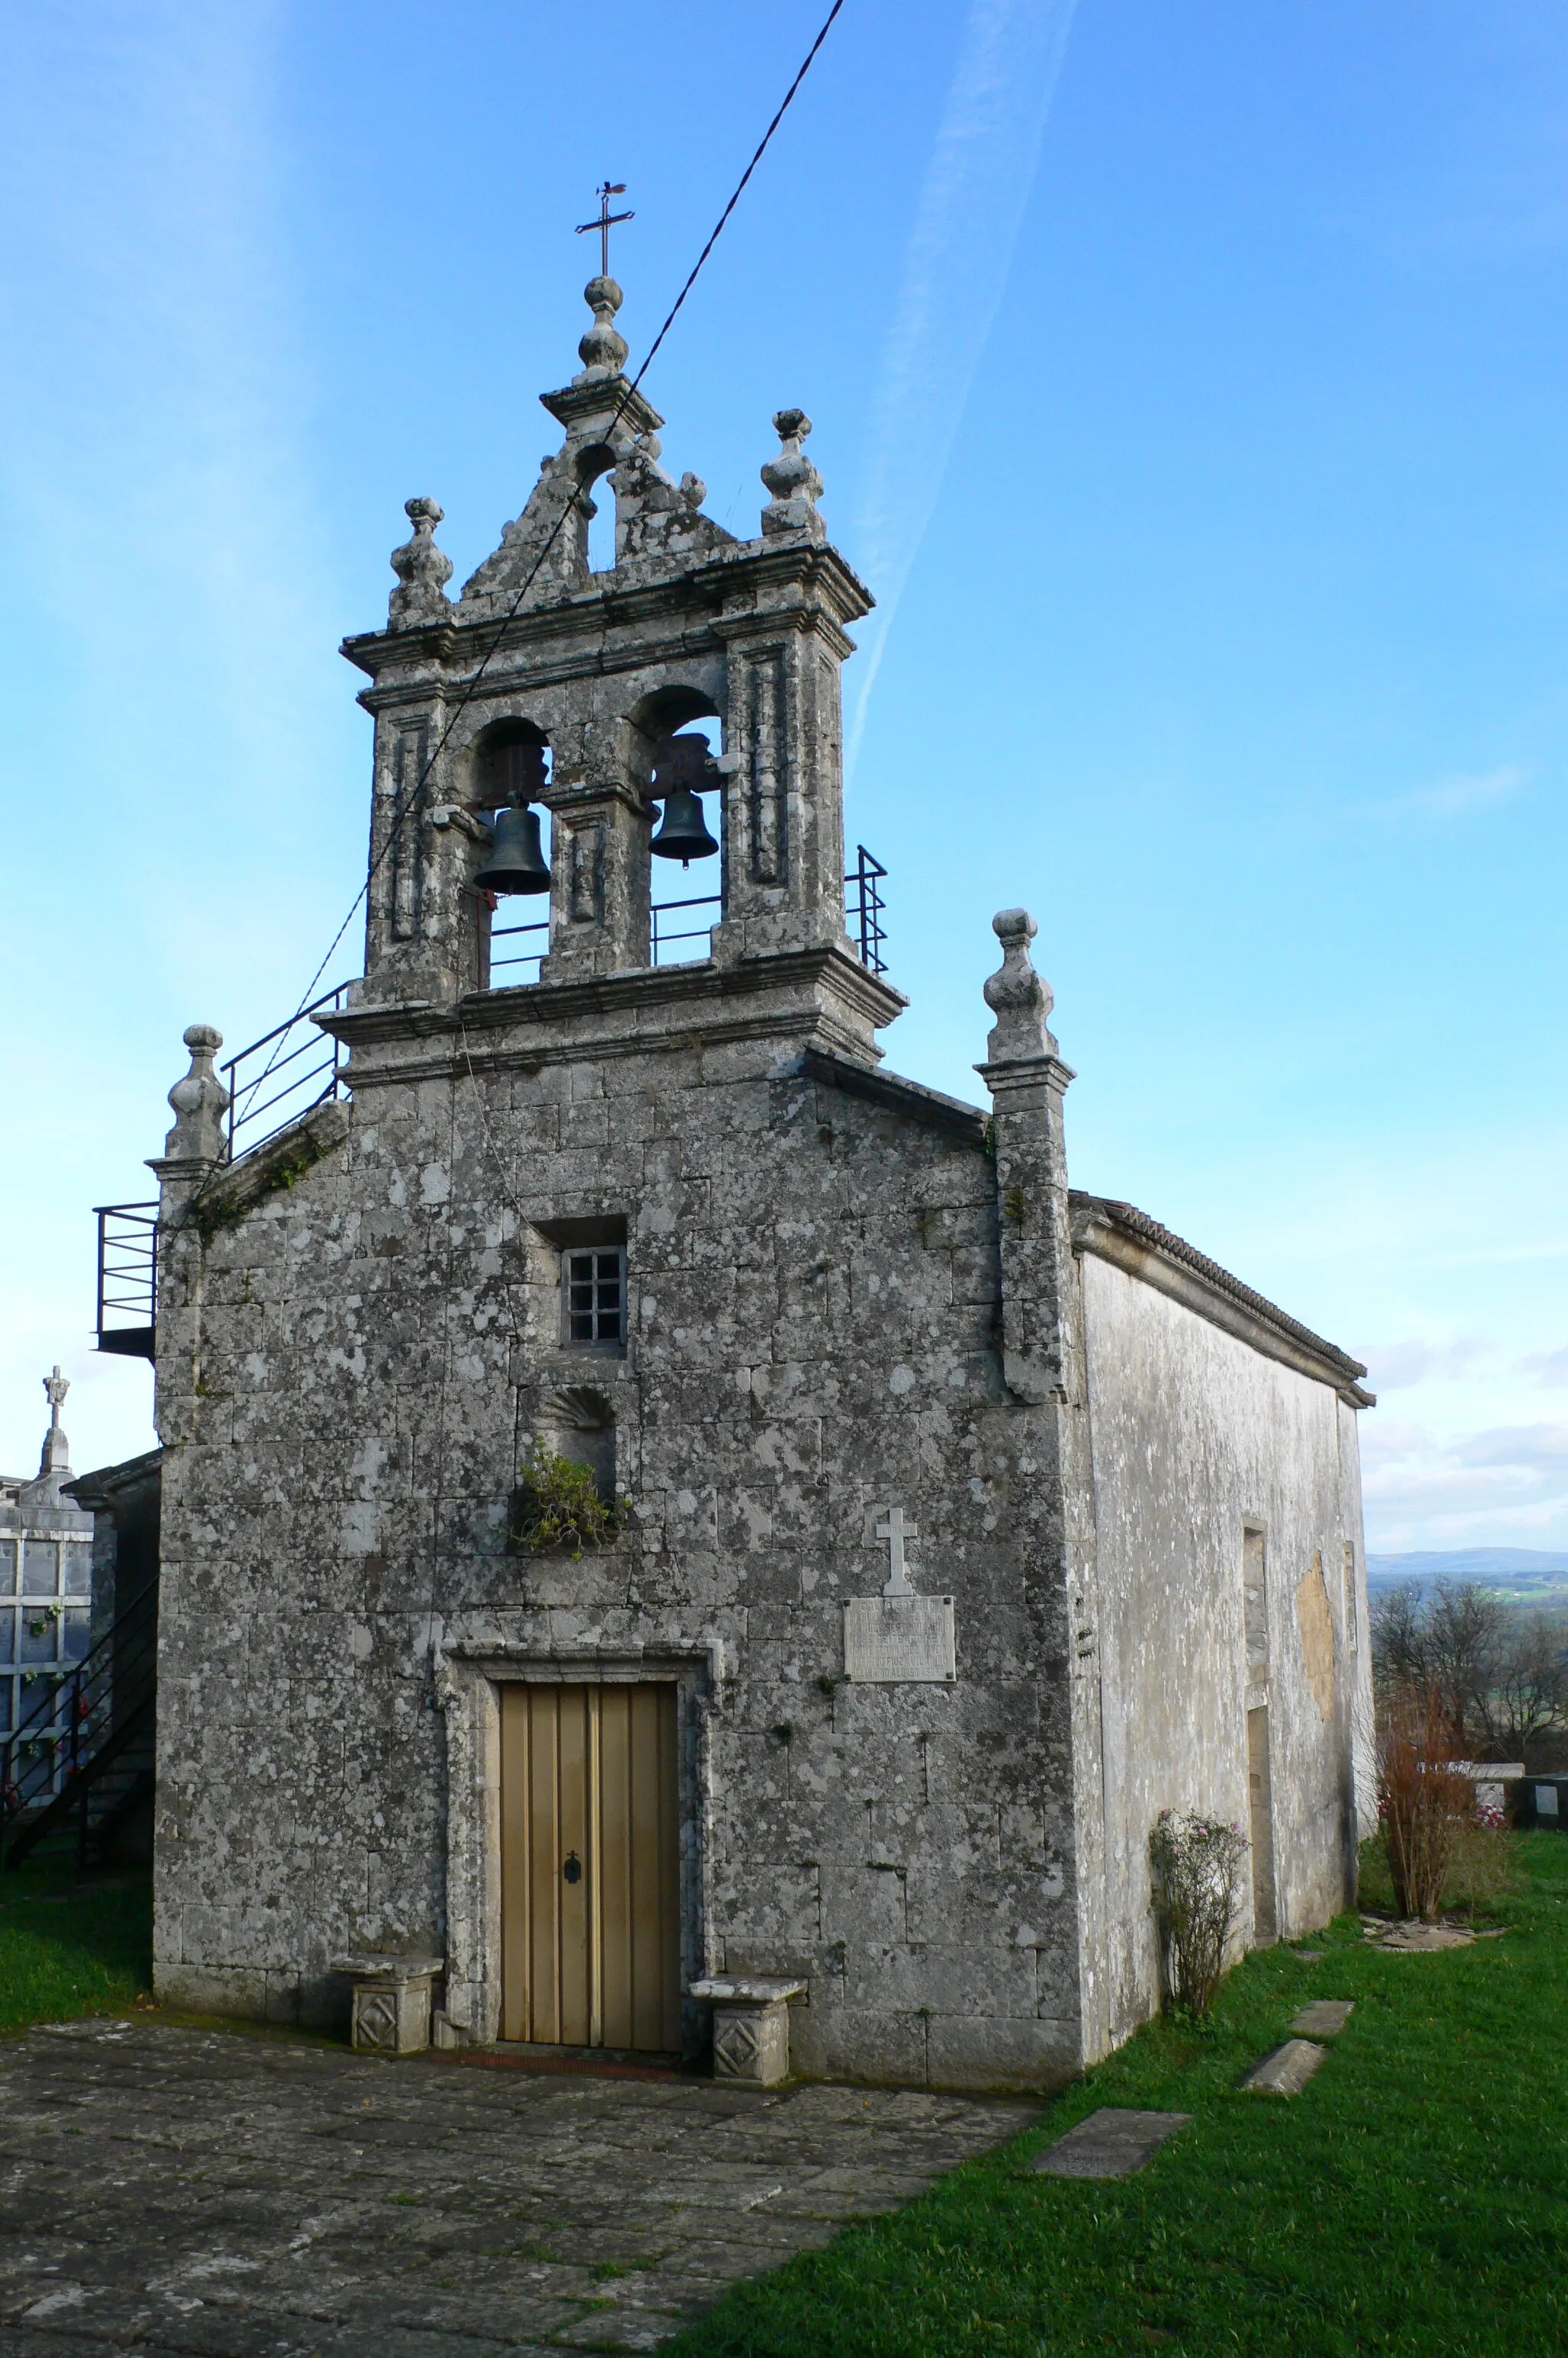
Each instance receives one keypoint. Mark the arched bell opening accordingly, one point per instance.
(678, 759)
(509, 769)
(596, 517)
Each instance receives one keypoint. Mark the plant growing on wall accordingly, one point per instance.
(1424, 1805)
(1197, 1893)
(557, 1505)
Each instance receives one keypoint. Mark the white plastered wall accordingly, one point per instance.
(1196, 1435)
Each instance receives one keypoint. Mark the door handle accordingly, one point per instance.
(572, 1869)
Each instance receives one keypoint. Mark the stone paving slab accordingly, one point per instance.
(1286, 2071)
(1112, 2143)
(174, 2193)
(1326, 2018)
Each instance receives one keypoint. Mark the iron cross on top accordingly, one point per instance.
(606, 221)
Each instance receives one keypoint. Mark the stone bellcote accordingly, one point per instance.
(690, 625)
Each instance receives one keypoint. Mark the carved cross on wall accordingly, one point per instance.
(895, 1531)
(606, 221)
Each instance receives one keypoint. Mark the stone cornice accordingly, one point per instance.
(578, 634)
(605, 396)
(1131, 1240)
(1026, 1073)
(553, 1020)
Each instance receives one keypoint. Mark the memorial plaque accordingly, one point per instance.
(894, 1640)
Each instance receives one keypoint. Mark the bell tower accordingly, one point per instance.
(546, 685)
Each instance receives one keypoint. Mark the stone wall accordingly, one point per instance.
(367, 1354)
(1196, 1435)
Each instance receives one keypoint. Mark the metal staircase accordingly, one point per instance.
(78, 1764)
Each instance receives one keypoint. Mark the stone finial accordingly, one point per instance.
(423, 570)
(199, 1103)
(56, 1458)
(793, 480)
(603, 349)
(1019, 998)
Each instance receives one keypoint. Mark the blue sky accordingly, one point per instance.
(1187, 383)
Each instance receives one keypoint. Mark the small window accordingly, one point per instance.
(593, 1294)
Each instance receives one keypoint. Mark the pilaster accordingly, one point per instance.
(600, 881)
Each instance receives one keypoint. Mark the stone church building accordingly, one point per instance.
(929, 1527)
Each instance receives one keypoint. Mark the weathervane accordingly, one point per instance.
(606, 221)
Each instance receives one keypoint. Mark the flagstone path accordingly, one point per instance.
(172, 2192)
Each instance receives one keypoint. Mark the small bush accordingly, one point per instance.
(1422, 1803)
(1197, 1890)
(1482, 1869)
(557, 1505)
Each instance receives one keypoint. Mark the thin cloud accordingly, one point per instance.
(1498, 1486)
(1395, 1367)
(1549, 1368)
(956, 268)
(1453, 797)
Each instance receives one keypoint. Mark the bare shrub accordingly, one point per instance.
(1198, 1891)
(1422, 1801)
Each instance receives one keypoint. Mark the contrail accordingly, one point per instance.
(954, 272)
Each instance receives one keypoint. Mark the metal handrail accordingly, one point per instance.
(521, 958)
(80, 1706)
(866, 909)
(660, 938)
(127, 1268)
(245, 1114)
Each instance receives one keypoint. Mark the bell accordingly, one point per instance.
(679, 764)
(516, 864)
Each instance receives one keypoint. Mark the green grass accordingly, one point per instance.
(71, 1944)
(1414, 2199)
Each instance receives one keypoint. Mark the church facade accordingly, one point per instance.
(651, 1497)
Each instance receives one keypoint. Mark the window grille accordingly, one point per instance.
(594, 1291)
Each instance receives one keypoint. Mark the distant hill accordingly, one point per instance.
(1530, 1574)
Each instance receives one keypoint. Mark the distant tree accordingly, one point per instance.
(1397, 1621)
(1465, 1639)
(1501, 1681)
(1528, 1696)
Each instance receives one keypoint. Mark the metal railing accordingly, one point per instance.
(519, 957)
(664, 937)
(79, 1710)
(864, 908)
(286, 1073)
(127, 1278)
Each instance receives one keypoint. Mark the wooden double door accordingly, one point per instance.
(590, 1866)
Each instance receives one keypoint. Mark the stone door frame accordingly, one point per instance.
(467, 1685)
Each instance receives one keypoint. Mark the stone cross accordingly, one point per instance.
(895, 1531)
(55, 1389)
(606, 221)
